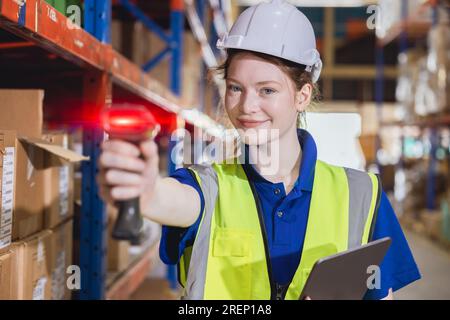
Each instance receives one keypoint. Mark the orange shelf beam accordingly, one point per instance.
(48, 28)
(131, 279)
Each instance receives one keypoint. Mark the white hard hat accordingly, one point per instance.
(278, 29)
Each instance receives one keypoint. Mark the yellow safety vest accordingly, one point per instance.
(230, 259)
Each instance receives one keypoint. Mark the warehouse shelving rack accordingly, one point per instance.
(409, 27)
(35, 31)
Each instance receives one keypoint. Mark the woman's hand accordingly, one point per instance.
(124, 174)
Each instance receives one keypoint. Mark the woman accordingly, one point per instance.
(253, 230)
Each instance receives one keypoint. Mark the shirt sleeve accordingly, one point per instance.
(175, 239)
(398, 268)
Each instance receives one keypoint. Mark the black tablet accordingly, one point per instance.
(346, 275)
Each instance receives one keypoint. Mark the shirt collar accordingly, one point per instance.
(309, 157)
(305, 178)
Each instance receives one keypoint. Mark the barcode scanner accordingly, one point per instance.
(133, 124)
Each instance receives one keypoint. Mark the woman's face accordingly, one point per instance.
(261, 100)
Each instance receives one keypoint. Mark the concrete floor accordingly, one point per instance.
(434, 265)
(433, 262)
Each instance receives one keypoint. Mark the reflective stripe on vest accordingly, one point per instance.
(229, 258)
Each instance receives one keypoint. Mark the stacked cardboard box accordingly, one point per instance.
(31, 268)
(7, 186)
(36, 175)
(36, 267)
(5, 276)
(58, 183)
(61, 259)
(22, 111)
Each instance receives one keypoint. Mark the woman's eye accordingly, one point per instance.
(268, 91)
(233, 88)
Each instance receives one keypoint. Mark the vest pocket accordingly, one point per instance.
(231, 243)
(232, 255)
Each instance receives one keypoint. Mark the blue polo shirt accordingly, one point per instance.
(285, 218)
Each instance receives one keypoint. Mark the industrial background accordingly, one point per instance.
(385, 108)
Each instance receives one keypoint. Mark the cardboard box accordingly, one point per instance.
(369, 147)
(118, 251)
(31, 267)
(61, 259)
(7, 186)
(21, 110)
(58, 183)
(29, 206)
(5, 276)
(30, 220)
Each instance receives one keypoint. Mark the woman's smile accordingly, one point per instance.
(249, 123)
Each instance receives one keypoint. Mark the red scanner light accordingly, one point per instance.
(129, 122)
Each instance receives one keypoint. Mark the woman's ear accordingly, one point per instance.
(303, 97)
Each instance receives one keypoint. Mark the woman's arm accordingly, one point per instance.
(398, 268)
(171, 204)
